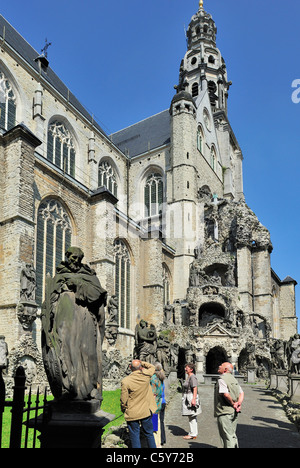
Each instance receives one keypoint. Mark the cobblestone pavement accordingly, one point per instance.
(262, 423)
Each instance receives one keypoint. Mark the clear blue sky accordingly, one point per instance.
(121, 59)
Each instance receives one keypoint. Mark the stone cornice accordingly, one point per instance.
(20, 132)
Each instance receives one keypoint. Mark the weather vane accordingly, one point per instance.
(45, 49)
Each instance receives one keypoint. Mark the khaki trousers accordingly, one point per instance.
(227, 425)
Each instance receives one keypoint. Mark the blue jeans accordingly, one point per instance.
(134, 432)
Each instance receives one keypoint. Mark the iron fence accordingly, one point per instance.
(24, 412)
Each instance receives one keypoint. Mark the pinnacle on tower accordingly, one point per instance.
(202, 29)
(203, 67)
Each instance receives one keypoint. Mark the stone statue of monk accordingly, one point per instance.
(73, 329)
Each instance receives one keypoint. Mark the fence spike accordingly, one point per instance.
(17, 408)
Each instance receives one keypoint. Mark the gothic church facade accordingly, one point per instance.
(158, 208)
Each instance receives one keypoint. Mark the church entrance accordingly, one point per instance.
(215, 357)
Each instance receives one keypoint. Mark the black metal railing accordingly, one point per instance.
(24, 411)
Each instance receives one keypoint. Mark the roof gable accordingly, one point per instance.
(144, 136)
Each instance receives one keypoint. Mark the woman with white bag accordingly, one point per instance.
(191, 406)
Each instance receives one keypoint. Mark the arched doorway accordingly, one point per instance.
(215, 357)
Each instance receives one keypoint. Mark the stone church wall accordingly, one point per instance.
(214, 251)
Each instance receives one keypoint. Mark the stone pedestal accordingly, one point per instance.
(295, 388)
(77, 424)
(282, 381)
(200, 359)
(273, 380)
(251, 374)
(210, 379)
(172, 377)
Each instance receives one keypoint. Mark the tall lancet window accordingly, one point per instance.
(122, 282)
(200, 139)
(7, 104)
(53, 239)
(153, 195)
(166, 285)
(213, 158)
(60, 149)
(107, 177)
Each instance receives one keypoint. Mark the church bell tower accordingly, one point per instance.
(204, 150)
(203, 66)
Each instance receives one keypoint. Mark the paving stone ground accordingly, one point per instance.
(262, 423)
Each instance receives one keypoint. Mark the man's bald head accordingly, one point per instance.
(225, 368)
(136, 365)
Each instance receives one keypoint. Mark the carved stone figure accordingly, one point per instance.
(28, 283)
(112, 310)
(145, 342)
(250, 347)
(112, 326)
(239, 319)
(27, 307)
(169, 313)
(174, 352)
(278, 353)
(295, 354)
(111, 333)
(26, 313)
(164, 352)
(193, 314)
(29, 367)
(72, 330)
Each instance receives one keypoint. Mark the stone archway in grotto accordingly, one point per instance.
(210, 311)
(215, 357)
(247, 357)
(181, 364)
(243, 361)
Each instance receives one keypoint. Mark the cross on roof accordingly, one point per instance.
(45, 49)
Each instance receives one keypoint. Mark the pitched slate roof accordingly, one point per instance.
(137, 139)
(29, 54)
(144, 136)
(288, 279)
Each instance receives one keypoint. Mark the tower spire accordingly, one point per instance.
(203, 66)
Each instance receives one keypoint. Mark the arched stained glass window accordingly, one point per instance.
(107, 177)
(53, 240)
(7, 104)
(60, 148)
(153, 195)
(122, 282)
